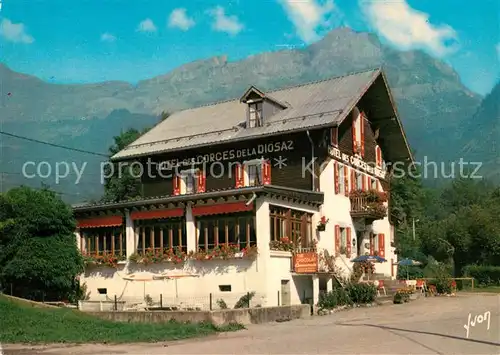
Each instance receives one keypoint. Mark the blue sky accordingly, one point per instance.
(97, 40)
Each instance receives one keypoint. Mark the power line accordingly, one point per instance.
(53, 144)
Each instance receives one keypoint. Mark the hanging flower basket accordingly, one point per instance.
(322, 224)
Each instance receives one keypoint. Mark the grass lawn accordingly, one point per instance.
(22, 323)
(491, 289)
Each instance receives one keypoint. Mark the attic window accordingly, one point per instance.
(255, 117)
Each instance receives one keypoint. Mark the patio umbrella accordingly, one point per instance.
(408, 262)
(370, 258)
(176, 276)
(140, 277)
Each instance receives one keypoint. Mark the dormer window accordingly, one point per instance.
(255, 117)
(257, 102)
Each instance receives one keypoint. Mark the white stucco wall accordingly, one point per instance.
(262, 275)
(337, 209)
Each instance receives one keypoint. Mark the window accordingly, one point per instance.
(225, 288)
(238, 229)
(359, 181)
(374, 184)
(341, 177)
(296, 225)
(190, 184)
(105, 240)
(343, 239)
(254, 172)
(255, 118)
(190, 180)
(161, 234)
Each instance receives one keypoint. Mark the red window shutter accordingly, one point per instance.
(239, 175)
(176, 181)
(378, 156)
(362, 133)
(372, 236)
(346, 180)
(336, 167)
(381, 245)
(334, 138)
(353, 180)
(202, 178)
(337, 240)
(266, 172)
(369, 182)
(348, 242)
(363, 182)
(354, 141)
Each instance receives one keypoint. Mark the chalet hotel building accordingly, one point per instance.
(275, 192)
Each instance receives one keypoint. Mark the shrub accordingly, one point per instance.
(222, 304)
(442, 285)
(335, 298)
(352, 293)
(361, 293)
(244, 301)
(402, 295)
(484, 275)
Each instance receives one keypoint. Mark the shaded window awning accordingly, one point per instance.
(222, 208)
(156, 214)
(103, 221)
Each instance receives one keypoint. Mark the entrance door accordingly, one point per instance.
(360, 245)
(285, 293)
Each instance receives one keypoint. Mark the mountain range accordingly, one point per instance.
(443, 119)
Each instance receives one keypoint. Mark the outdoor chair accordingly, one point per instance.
(380, 287)
(420, 286)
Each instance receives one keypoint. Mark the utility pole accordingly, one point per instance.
(413, 227)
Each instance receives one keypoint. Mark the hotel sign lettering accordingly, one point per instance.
(357, 163)
(232, 154)
(305, 262)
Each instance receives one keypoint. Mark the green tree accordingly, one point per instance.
(39, 257)
(124, 182)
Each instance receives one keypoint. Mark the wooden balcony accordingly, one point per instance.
(366, 208)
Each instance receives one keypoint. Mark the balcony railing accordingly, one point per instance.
(363, 207)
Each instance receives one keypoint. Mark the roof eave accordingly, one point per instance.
(228, 141)
(316, 198)
(398, 120)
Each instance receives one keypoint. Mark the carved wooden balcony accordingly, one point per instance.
(368, 205)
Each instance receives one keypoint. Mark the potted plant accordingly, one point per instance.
(322, 224)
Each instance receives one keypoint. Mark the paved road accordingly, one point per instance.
(426, 326)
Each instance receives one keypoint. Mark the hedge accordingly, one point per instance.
(484, 275)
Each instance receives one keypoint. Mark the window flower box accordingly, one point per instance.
(283, 244)
(223, 252)
(155, 256)
(104, 259)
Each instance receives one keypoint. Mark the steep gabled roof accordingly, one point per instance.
(309, 106)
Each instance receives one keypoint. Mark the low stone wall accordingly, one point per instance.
(243, 316)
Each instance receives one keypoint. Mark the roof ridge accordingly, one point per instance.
(323, 80)
(286, 87)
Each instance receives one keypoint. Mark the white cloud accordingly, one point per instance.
(179, 18)
(146, 25)
(108, 37)
(225, 23)
(408, 28)
(15, 32)
(309, 16)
